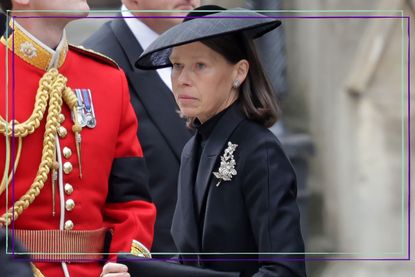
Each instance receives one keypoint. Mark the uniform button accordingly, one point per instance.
(61, 118)
(62, 132)
(67, 152)
(69, 205)
(67, 167)
(69, 225)
(68, 189)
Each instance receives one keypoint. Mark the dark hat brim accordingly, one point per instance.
(252, 24)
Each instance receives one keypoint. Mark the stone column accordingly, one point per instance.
(356, 172)
(372, 189)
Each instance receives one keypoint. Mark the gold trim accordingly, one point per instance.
(36, 271)
(32, 51)
(94, 54)
(138, 249)
(66, 245)
(51, 93)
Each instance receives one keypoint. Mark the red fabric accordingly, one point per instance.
(113, 137)
(128, 224)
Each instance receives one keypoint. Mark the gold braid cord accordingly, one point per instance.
(36, 271)
(52, 92)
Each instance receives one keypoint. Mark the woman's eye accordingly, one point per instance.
(200, 65)
(177, 66)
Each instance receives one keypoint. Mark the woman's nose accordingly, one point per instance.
(184, 77)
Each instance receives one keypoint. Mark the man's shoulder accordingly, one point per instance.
(93, 55)
(106, 41)
(104, 33)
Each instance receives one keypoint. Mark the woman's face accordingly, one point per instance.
(202, 80)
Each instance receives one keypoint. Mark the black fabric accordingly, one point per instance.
(161, 131)
(128, 180)
(255, 212)
(204, 131)
(2, 24)
(252, 24)
(107, 245)
(207, 127)
(12, 264)
(208, 9)
(5, 28)
(154, 268)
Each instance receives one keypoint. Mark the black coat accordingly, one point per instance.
(162, 132)
(254, 212)
(11, 263)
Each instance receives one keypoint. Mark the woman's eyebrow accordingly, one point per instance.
(193, 56)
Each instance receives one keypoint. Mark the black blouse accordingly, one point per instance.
(203, 132)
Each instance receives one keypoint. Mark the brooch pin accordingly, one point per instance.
(227, 164)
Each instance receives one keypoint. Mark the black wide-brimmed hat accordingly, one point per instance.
(203, 23)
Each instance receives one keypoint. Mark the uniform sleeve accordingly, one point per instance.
(129, 211)
(269, 189)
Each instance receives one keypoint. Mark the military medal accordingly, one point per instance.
(89, 109)
(85, 116)
(85, 108)
(80, 107)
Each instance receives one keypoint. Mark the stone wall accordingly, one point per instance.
(357, 170)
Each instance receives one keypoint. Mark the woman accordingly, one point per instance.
(237, 189)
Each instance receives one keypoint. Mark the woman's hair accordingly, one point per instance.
(256, 96)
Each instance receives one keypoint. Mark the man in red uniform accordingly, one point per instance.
(73, 167)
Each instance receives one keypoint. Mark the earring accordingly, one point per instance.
(236, 84)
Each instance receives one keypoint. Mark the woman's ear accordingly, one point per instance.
(241, 70)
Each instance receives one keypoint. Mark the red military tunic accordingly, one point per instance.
(113, 190)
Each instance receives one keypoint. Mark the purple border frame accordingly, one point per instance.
(408, 258)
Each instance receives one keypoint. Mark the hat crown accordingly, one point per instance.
(203, 11)
(207, 24)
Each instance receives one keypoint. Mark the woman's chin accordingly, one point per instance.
(187, 113)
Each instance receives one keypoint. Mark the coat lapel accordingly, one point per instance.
(213, 149)
(154, 95)
(184, 225)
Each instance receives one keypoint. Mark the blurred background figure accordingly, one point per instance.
(5, 5)
(162, 132)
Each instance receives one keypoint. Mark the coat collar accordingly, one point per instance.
(142, 33)
(128, 42)
(214, 146)
(33, 51)
(185, 229)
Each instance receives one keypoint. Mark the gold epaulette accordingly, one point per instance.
(95, 55)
